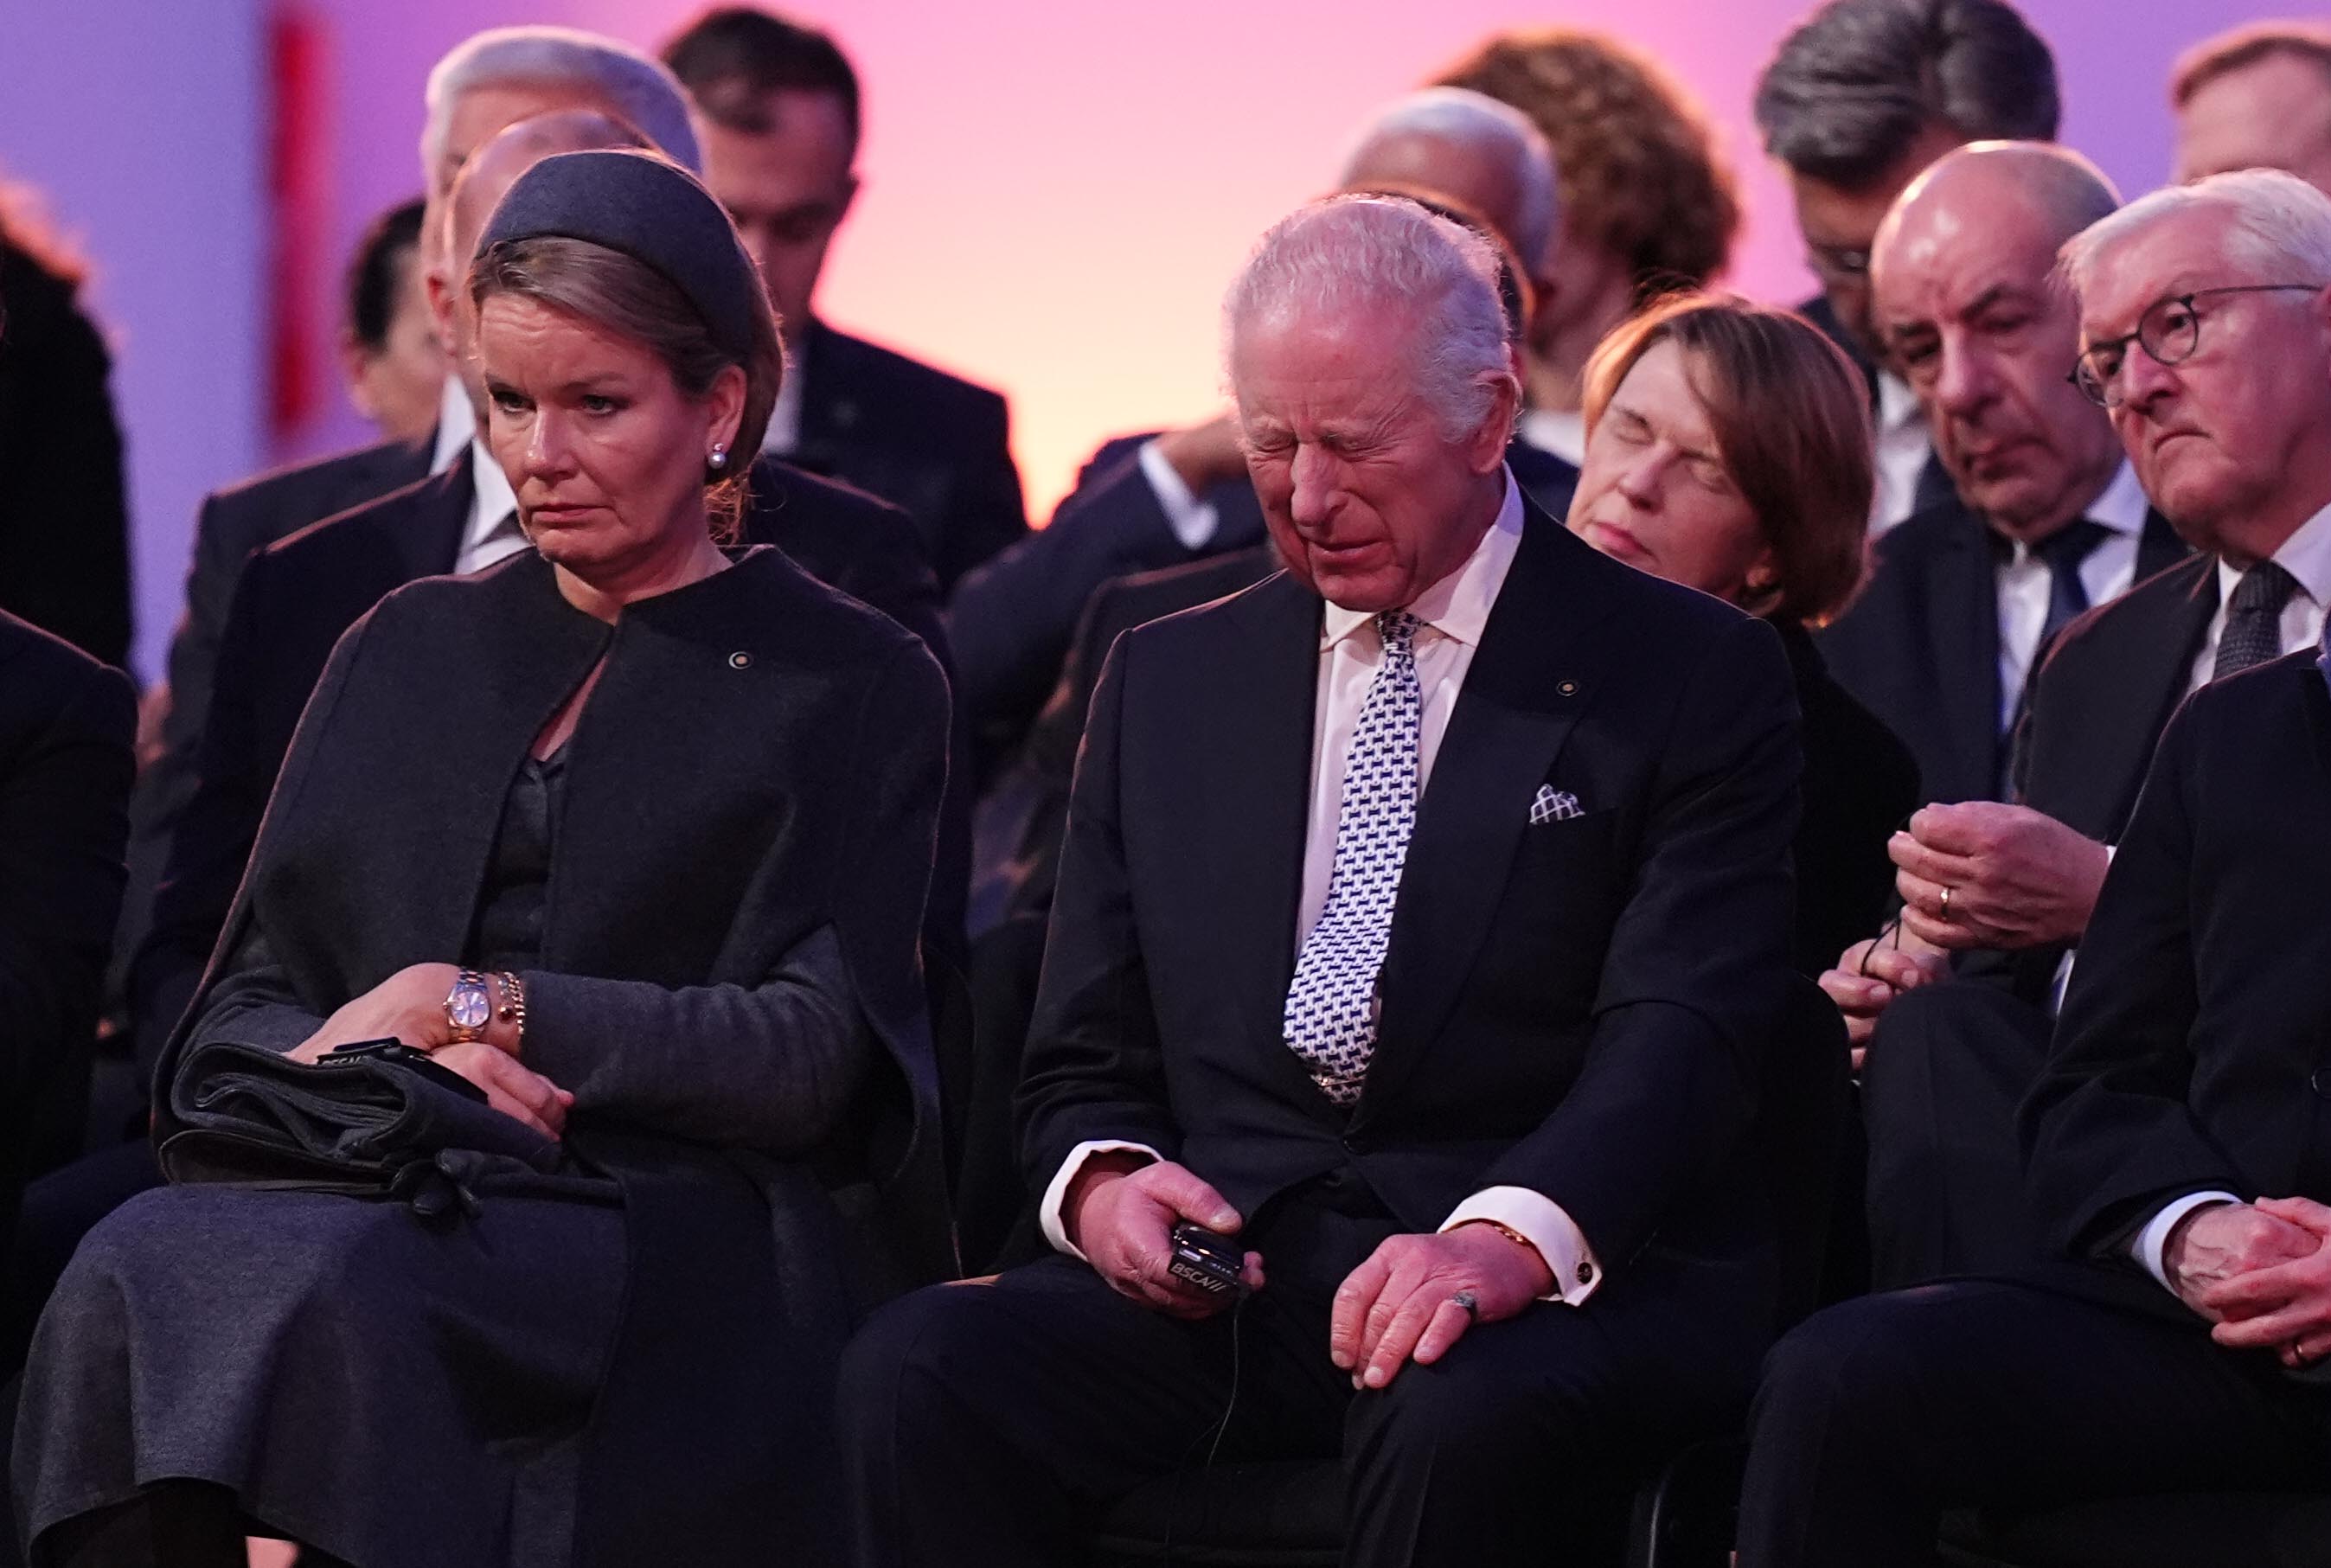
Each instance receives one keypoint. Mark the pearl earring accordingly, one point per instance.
(720, 457)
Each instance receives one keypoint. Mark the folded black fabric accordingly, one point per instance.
(366, 1127)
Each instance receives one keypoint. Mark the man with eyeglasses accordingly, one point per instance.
(1856, 102)
(2175, 1143)
(2049, 519)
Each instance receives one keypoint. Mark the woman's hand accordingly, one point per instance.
(407, 1006)
(511, 1087)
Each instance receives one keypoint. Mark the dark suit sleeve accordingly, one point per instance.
(1697, 974)
(775, 1066)
(208, 841)
(1094, 1069)
(1011, 620)
(2108, 1132)
(63, 819)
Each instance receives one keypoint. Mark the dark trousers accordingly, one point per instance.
(984, 1423)
(1948, 1067)
(1877, 1416)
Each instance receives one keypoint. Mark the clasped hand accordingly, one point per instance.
(2261, 1273)
(409, 1006)
(2014, 877)
(1398, 1306)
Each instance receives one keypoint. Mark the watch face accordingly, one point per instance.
(469, 1007)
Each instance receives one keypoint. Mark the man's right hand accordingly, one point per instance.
(2215, 1244)
(1871, 975)
(1204, 455)
(1122, 1220)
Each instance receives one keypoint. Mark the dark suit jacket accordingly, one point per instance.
(66, 723)
(920, 439)
(2192, 1049)
(299, 596)
(1012, 620)
(64, 521)
(1920, 646)
(1543, 983)
(1862, 784)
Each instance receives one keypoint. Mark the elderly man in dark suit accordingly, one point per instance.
(2011, 890)
(781, 112)
(1421, 930)
(1146, 502)
(2175, 1130)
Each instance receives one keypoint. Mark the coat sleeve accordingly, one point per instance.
(1696, 976)
(63, 805)
(2109, 1131)
(1094, 1070)
(775, 1066)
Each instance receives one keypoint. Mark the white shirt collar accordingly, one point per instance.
(492, 498)
(457, 426)
(1898, 405)
(2121, 506)
(1458, 605)
(2305, 555)
(1562, 431)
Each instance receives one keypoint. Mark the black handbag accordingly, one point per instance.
(378, 1120)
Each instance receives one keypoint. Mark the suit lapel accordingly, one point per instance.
(2158, 547)
(1254, 793)
(1534, 674)
(430, 540)
(2152, 667)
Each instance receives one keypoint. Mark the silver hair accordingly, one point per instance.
(1458, 114)
(1349, 253)
(2275, 223)
(638, 88)
(1850, 90)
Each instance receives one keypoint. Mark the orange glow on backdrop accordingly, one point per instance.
(1056, 194)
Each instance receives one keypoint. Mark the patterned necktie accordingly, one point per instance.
(2253, 631)
(1330, 1018)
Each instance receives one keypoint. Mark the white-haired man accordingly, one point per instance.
(1422, 922)
(2174, 1144)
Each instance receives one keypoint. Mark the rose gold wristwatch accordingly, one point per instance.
(469, 1007)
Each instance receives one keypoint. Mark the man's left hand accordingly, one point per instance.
(2014, 877)
(1401, 1305)
(2286, 1307)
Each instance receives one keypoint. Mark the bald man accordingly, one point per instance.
(1964, 604)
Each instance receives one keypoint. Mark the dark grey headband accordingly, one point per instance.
(652, 210)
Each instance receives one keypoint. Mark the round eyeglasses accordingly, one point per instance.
(2170, 330)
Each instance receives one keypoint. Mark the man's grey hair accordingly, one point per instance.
(2276, 226)
(634, 85)
(1458, 114)
(1349, 254)
(1854, 87)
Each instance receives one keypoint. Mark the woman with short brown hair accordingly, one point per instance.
(1727, 449)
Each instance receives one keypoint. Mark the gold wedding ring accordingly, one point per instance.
(1946, 903)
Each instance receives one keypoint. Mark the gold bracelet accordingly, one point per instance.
(513, 1007)
(1509, 1233)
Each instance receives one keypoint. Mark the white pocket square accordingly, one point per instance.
(1553, 805)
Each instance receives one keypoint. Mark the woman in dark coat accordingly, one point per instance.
(631, 834)
(1727, 449)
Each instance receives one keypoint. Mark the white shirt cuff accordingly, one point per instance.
(1192, 519)
(1048, 1212)
(2154, 1239)
(1541, 1222)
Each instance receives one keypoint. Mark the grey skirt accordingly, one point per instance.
(398, 1392)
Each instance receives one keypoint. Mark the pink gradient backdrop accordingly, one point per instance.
(1056, 192)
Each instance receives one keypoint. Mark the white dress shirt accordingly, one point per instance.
(1561, 432)
(2025, 584)
(491, 533)
(457, 427)
(1453, 610)
(1193, 521)
(1902, 448)
(2306, 556)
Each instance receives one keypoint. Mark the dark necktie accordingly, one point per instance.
(2253, 631)
(2062, 553)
